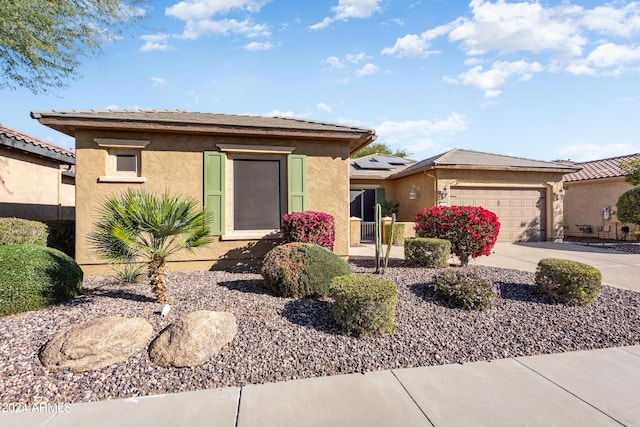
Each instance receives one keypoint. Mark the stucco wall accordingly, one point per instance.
(32, 187)
(583, 205)
(174, 162)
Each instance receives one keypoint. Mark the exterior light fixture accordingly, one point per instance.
(445, 192)
(560, 194)
(414, 192)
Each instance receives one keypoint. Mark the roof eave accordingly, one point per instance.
(37, 150)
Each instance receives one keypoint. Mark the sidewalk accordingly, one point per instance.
(588, 388)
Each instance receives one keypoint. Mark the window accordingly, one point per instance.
(124, 159)
(249, 188)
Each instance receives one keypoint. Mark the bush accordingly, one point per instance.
(318, 228)
(466, 288)
(17, 231)
(398, 233)
(33, 277)
(570, 282)
(301, 270)
(628, 206)
(472, 230)
(426, 252)
(62, 236)
(363, 304)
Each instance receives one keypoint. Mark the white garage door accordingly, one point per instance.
(521, 211)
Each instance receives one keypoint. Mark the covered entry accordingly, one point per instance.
(521, 211)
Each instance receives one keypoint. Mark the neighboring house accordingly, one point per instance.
(591, 197)
(525, 194)
(247, 170)
(37, 179)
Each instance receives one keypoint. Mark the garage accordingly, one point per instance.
(521, 211)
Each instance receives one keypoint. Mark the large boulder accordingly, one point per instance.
(194, 339)
(95, 344)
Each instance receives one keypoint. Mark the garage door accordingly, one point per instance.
(521, 211)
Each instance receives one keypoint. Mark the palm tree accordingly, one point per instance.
(139, 226)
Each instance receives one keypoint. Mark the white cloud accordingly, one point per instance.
(586, 152)
(333, 62)
(500, 72)
(421, 138)
(155, 42)
(356, 58)
(158, 82)
(606, 59)
(347, 9)
(287, 114)
(409, 45)
(195, 29)
(368, 70)
(259, 46)
(324, 107)
(622, 22)
(188, 10)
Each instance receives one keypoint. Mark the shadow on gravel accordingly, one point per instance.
(311, 313)
(523, 292)
(119, 294)
(247, 286)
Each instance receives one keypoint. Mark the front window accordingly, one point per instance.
(258, 199)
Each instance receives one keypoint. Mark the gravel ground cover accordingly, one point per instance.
(282, 339)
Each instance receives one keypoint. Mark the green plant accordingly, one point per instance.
(309, 227)
(139, 226)
(472, 230)
(466, 288)
(377, 217)
(636, 235)
(389, 208)
(398, 233)
(363, 304)
(301, 270)
(628, 206)
(427, 252)
(127, 272)
(62, 235)
(33, 277)
(570, 282)
(17, 231)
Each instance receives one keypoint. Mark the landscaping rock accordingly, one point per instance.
(194, 339)
(95, 344)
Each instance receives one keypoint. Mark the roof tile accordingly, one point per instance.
(598, 169)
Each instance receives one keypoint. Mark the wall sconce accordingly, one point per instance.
(560, 194)
(414, 192)
(445, 192)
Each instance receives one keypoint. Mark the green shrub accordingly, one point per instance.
(301, 270)
(570, 282)
(33, 277)
(17, 231)
(465, 288)
(398, 233)
(427, 252)
(129, 272)
(62, 235)
(363, 304)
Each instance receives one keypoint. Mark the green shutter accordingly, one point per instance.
(297, 182)
(214, 169)
(379, 195)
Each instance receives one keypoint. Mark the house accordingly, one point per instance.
(525, 194)
(591, 197)
(37, 179)
(247, 170)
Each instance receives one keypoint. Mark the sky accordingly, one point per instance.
(543, 80)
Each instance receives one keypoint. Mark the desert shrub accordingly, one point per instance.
(301, 270)
(427, 252)
(61, 235)
(628, 206)
(472, 230)
(33, 277)
(129, 272)
(398, 233)
(363, 304)
(570, 282)
(466, 288)
(318, 228)
(17, 231)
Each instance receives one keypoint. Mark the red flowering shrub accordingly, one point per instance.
(472, 230)
(309, 227)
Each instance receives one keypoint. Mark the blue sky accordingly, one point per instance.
(543, 80)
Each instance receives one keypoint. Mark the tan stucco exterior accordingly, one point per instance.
(174, 162)
(584, 204)
(34, 187)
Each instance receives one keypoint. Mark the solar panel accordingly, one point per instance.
(392, 160)
(366, 164)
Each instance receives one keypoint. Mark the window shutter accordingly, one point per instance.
(214, 169)
(297, 182)
(380, 195)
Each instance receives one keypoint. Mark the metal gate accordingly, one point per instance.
(367, 231)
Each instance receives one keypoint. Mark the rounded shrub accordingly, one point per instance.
(309, 227)
(466, 288)
(17, 231)
(363, 304)
(570, 282)
(301, 270)
(33, 277)
(427, 252)
(398, 233)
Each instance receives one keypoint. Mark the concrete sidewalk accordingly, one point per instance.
(588, 388)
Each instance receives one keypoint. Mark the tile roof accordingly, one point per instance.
(378, 166)
(597, 169)
(9, 136)
(475, 159)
